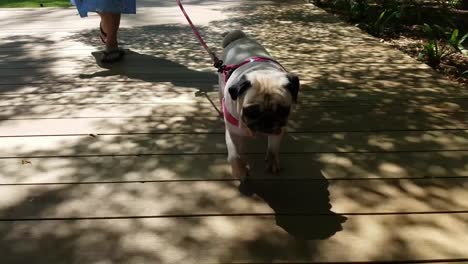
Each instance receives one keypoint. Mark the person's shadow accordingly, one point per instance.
(153, 69)
(299, 197)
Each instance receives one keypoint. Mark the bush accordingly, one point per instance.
(435, 50)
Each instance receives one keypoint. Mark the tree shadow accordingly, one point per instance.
(334, 132)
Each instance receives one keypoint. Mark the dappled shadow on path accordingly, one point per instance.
(160, 70)
(152, 174)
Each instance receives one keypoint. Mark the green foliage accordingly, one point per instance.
(384, 19)
(457, 42)
(341, 4)
(34, 3)
(453, 3)
(432, 54)
(358, 9)
(434, 50)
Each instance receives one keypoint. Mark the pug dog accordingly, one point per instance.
(257, 94)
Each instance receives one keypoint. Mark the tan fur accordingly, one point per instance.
(267, 89)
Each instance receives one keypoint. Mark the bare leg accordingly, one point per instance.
(110, 24)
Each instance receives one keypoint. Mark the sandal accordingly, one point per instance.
(112, 56)
(103, 34)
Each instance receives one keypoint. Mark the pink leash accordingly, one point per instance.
(226, 70)
(216, 61)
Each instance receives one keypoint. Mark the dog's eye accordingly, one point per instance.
(282, 111)
(252, 111)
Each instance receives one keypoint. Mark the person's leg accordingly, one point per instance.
(110, 23)
(103, 27)
(113, 21)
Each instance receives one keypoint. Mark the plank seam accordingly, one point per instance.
(236, 180)
(228, 215)
(225, 153)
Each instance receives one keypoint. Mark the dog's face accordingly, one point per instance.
(265, 99)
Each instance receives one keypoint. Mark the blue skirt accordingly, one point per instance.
(108, 6)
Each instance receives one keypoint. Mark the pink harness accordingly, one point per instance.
(227, 71)
(230, 118)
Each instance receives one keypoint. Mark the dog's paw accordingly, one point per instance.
(240, 169)
(272, 163)
(273, 167)
(245, 188)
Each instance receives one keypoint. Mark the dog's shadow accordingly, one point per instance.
(149, 68)
(299, 197)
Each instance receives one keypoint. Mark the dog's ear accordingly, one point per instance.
(293, 86)
(239, 88)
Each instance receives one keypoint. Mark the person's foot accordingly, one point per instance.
(112, 56)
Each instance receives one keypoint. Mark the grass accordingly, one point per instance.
(34, 3)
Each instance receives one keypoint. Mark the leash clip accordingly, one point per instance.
(219, 64)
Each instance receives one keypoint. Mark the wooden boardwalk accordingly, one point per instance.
(128, 165)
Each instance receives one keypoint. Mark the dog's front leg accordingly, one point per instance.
(234, 145)
(272, 155)
(239, 166)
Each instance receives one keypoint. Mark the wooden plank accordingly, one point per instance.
(13, 54)
(156, 69)
(105, 88)
(400, 141)
(159, 68)
(197, 78)
(132, 125)
(436, 110)
(143, 66)
(308, 101)
(335, 82)
(107, 111)
(194, 123)
(242, 239)
(92, 70)
(351, 166)
(214, 197)
(20, 48)
(169, 91)
(99, 98)
(81, 59)
(24, 54)
(316, 88)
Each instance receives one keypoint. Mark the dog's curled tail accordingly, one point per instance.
(232, 36)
